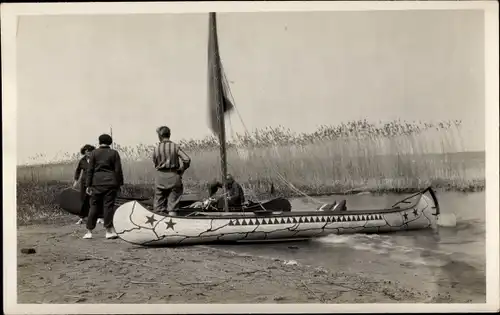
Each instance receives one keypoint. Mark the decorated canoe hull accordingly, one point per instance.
(137, 225)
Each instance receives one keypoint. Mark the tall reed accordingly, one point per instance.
(359, 154)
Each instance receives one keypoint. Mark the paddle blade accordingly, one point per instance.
(447, 220)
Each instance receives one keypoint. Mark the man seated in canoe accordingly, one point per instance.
(235, 195)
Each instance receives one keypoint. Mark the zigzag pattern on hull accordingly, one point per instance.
(305, 219)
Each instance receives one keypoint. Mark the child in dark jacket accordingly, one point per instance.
(104, 180)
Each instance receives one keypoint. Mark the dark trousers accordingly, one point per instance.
(86, 204)
(102, 200)
(85, 207)
(168, 191)
(85, 199)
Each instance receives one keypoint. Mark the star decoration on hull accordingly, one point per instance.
(170, 224)
(151, 219)
(415, 212)
(405, 215)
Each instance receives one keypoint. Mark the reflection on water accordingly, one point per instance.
(453, 257)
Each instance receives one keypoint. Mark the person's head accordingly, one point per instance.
(229, 179)
(105, 139)
(86, 149)
(163, 132)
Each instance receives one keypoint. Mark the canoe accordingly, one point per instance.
(137, 225)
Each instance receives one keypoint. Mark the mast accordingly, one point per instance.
(217, 98)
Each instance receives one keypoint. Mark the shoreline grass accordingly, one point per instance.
(36, 201)
(394, 157)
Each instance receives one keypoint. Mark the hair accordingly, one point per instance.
(163, 132)
(86, 148)
(105, 139)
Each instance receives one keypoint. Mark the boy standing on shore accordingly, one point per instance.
(104, 179)
(167, 156)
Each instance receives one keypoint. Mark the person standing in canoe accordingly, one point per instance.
(104, 180)
(167, 156)
(235, 195)
(80, 184)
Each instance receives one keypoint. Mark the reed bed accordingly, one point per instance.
(358, 156)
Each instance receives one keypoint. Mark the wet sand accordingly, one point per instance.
(68, 269)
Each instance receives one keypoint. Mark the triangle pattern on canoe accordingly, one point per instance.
(310, 219)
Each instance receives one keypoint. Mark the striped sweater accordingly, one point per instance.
(167, 156)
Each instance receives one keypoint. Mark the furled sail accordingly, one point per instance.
(217, 92)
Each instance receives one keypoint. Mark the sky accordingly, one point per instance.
(79, 75)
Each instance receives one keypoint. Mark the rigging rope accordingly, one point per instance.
(280, 176)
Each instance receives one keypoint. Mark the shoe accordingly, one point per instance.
(111, 234)
(79, 222)
(101, 221)
(88, 235)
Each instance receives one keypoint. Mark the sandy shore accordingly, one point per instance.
(68, 269)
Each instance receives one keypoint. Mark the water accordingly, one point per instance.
(454, 256)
